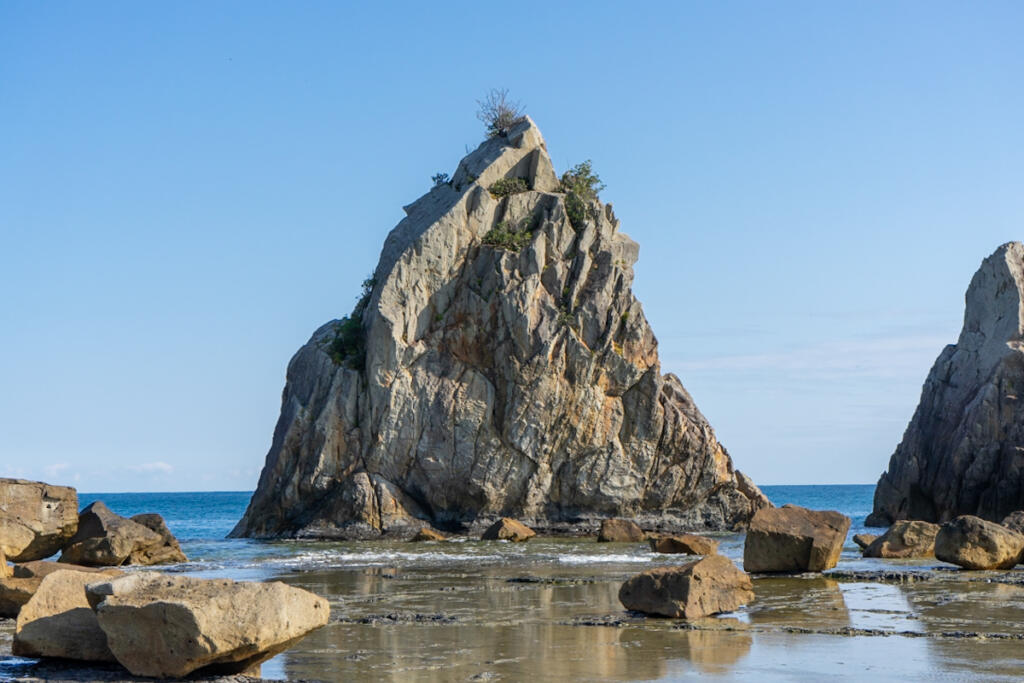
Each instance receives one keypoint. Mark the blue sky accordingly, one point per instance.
(187, 190)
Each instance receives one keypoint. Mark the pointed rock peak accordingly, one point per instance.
(994, 312)
(521, 153)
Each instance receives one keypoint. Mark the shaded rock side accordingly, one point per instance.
(961, 453)
(698, 589)
(619, 531)
(107, 539)
(794, 539)
(905, 539)
(36, 519)
(973, 543)
(497, 381)
(169, 626)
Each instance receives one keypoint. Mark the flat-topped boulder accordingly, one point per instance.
(905, 539)
(619, 531)
(688, 544)
(698, 589)
(973, 543)
(794, 539)
(36, 519)
(507, 529)
(107, 539)
(166, 626)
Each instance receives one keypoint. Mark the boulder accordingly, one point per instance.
(506, 529)
(107, 539)
(619, 531)
(864, 540)
(707, 586)
(688, 544)
(1014, 521)
(794, 539)
(36, 519)
(14, 593)
(58, 621)
(167, 626)
(428, 534)
(960, 454)
(5, 569)
(973, 543)
(905, 539)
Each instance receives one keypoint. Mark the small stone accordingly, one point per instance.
(507, 529)
(688, 544)
(620, 531)
(691, 591)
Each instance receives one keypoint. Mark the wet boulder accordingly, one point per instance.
(972, 543)
(619, 531)
(428, 534)
(905, 539)
(707, 586)
(864, 540)
(508, 529)
(1014, 521)
(36, 519)
(687, 544)
(794, 539)
(167, 626)
(107, 539)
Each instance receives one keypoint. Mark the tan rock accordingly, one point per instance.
(619, 531)
(864, 540)
(691, 591)
(794, 539)
(58, 622)
(687, 544)
(905, 539)
(506, 529)
(14, 593)
(169, 626)
(1014, 521)
(972, 543)
(107, 539)
(36, 519)
(428, 534)
(5, 569)
(40, 569)
(168, 553)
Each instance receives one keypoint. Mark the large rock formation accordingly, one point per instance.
(36, 519)
(107, 539)
(962, 452)
(498, 365)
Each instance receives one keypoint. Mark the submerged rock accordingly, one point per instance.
(36, 519)
(506, 529)
(794, 539)
(107, 539)
(905, 539)
(428, 534)
(960, 455)
(689, 544)
(498, 365)
(973, 543)
(619, 531)
(691, 591)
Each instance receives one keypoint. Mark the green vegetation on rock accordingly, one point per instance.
(507, 186)
(502, 236)
(348, 345)
(580, 185)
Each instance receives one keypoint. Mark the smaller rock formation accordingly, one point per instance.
(972, 543)
(1014, 521)
(36, 519)
(691, 591)
(864, 540)
(428, 534)
(619, 531)
(58, 622)
(107, 539)
(169, 626)
(794, 539)
(905, 539)
(688, 544)
(507, 529)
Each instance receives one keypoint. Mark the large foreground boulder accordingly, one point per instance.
(794, 539)
(507, 529)
(36, 519)
(107, 539)
(58, 621)
(905, 539)
(169, 626)
(688, 544)
(960, 454)
(619, 531)
(691, 591)
(973, 543)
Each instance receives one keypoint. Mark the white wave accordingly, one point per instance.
(597, 559)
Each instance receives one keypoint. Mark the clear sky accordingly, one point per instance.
(187, 190)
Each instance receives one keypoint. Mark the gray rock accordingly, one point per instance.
(107, 539)
(905, 539)
(973, 543)
(690, 591)
(495, 382)
(36, 519)
(1014, 521)
(794, 539)
(961, 452)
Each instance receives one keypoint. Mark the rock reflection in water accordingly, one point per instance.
(805, 602)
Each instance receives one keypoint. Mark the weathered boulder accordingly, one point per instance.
(794, 539)
(619, 531)
(107, 539)
(707, 586)
(905, 539)
(688, 544)
(14, 593)
(497, 365)
(973, 543)
(58, 621)
(36, 519)
(506, 529)
(169, 626)
(428, 534)
(1014, 521)
(864, 540)
(960, 454)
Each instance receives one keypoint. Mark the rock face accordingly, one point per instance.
(961, 452)
(973, 543)
(508, 371)
(169, 626)
(1014, 521)
(36, 519)
(107, 539)
(691, 591)
(794, 539)
(506, 529)
(905, 539)
(619, 531)
(688, 544)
